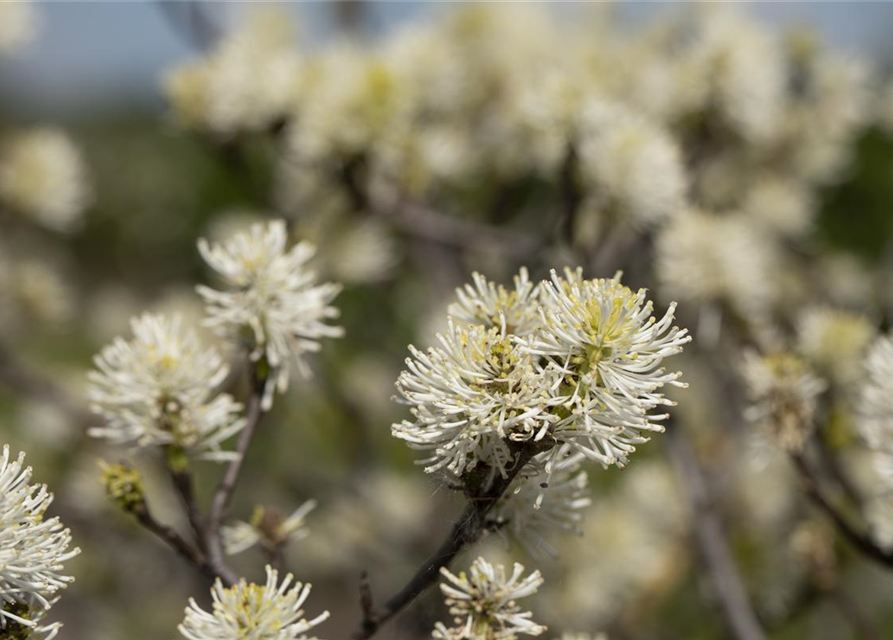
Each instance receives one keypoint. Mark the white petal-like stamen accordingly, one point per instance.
(271, 298)
(252, 612)
(158, 389)
(33, 549)
(268, 528)
(484, 603)
(606, 349)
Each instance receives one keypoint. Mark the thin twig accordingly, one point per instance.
(275, 555)
(185, 487)
(860, 622)
(366, 603)
(832, 465)
(617, 245)
(429, 224)
(227, 486)
(466, 530)
(714, 549)
(859, 539)
(173, 539)
(571, 196)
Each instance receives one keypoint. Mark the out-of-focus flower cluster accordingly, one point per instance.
(18, 25)
(708, 126)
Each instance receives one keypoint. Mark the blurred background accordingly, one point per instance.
(415, 143)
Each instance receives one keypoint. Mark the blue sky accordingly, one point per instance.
(93, 53)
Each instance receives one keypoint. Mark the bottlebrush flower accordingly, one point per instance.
(486, 303)
(33, 549)
(605, 349)
(272, 299)
(783, 393)
(158, 389)
(251, 612)
(470, 397)
(538, 503)
(484, 603)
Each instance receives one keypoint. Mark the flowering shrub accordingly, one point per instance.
(560, 218)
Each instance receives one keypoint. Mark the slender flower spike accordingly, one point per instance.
(251, 612)
(484, 603)
(605, 348)
(470, 397)
(33, 549)
(158, 389)
(486, 303)
(272, 299)
(268, 528)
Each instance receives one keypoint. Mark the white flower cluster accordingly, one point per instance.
(159, 389)
(32, 290)
(571, 368)
(835, 342)
(633, 165)
(588, 377)
(42, 176)
(18, 24)
(271, 301)
(704, 257)
(876, 395)
(783, 393)
(247, 83)
(630, 550)
(525, 513)
(268, 528)
(249, 611)
(606, 348)
(484, 603)
(33, 549)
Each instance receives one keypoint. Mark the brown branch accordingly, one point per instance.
(859, 539)
(227, 486)
(571, 195)
(859, 620)
(619, 243)
(712, 545)
(832, 465)
(173, 539)
(426, 223)
(276, 555)
(466, 530)
(423, 222)
(185, 487)
(366, 603)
